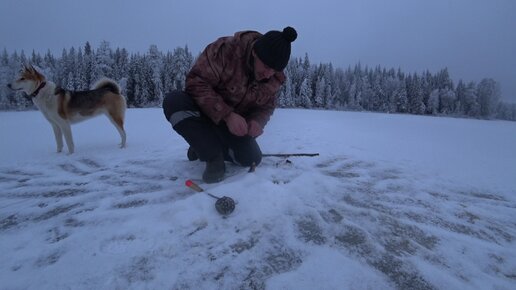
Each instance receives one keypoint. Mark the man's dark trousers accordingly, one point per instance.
(206, 138)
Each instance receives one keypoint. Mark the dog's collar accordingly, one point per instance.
(36, 92)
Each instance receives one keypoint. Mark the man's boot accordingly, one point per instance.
(215, 170)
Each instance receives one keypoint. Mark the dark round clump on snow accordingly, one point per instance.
(225, 205)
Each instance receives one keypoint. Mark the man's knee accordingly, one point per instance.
(178, 106)
(177, 101)
(249, 159)
(248, 154)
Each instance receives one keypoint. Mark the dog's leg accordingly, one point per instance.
(67, 131)
(118, 121)
(59, 137)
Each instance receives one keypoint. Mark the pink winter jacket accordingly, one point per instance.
(222, 81)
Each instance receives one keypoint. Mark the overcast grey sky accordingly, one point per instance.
(473, 38)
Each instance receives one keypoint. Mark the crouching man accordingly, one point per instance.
(231, 92)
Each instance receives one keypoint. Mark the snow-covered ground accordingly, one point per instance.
(392, 202)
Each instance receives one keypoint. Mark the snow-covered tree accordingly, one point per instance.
(61, 77)
(71, 70)
(154, 62)
(286, 98)
(433, 102)
(471, 106)
(103, 62)
(447, 101)
(305, 94)
(87, 68)
(367, 94)
(488, 94)
(460, 93)
(414, 95)
(320, 93)
(121, 64)
(5, 78)
(400, 96)
(182, 62)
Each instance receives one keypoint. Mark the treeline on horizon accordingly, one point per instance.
(146, 77)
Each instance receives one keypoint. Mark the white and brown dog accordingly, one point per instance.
(63, 108)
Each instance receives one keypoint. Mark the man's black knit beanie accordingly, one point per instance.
(273, 48)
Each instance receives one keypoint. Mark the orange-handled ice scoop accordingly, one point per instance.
(224, 205)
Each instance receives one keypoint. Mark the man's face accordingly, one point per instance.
(261, 71)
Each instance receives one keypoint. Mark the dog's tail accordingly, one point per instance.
(107, 84)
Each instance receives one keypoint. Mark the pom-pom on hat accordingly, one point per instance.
(273, 48)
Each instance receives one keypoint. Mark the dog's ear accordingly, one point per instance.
(29, 68)
(37, 73)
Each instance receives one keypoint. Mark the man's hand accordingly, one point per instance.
(236, 124)
(254, 129)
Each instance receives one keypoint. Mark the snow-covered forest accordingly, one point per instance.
(146, 77)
